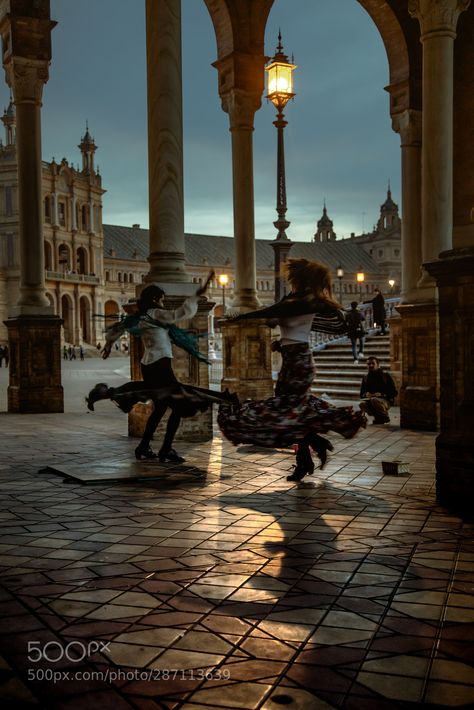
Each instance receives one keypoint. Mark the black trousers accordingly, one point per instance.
(160, 374)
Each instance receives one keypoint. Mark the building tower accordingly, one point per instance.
(389, 220)
(9, 121)
(87, 147)
(325, 231)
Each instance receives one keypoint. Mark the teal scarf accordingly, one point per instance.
(181, 338)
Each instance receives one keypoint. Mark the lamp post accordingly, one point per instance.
(280, 91)
(360, 280)
(223, 280)
(340, 275)
(391, 283)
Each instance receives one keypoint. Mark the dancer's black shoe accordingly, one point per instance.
(100, 391)
(300, 471)
(170, 457)
(321, 446)
(145, 453)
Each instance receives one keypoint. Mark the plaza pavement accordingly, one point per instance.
(221, 585)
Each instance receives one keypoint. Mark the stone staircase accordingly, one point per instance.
(336, 374)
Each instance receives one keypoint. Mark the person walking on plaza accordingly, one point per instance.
(294, 415)
(380, 315)
(355, 330)
(65, 353)
(377, 391)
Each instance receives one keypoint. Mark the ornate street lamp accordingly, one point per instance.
(391, 283)
(280, 91)
(340, 276)
(360, 280)
(223, 280)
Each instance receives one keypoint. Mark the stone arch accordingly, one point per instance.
(64, 257)
(52, 300)
(67, 314)
(239, 26)
(85, 318)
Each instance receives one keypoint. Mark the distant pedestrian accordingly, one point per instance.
(378, 306)
(81, 352)
(65, 353)
(72, 352)
(98, 347)
(355, 329)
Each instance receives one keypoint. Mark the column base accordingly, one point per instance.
(35, 365)
(247, 359)
(419, 393)
(454, 473)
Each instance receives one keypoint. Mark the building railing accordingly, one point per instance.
(76, 278)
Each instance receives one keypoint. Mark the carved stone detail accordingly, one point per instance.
(437, 15)
(409, 125)
(27, 78)
(241, 107)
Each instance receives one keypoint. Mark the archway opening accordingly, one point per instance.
(67, 316)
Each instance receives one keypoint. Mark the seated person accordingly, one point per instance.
(377, 391)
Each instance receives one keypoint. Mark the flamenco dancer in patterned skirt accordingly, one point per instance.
(294, 415)
(155, 325)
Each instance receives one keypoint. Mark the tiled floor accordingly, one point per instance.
(230, 587)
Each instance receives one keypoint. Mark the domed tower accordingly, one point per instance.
(9, 121)
(389, 219)
(87, 147)
(325, 231)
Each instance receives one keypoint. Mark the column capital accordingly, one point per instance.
(409, 125)
(26, 77)
(241, 107)
(437, 16)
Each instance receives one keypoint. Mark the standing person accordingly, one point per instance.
(355, 329)
(377, 391)
(294, 415)
(81, 352)
(380, 315)
(154, 324)
(65, 352)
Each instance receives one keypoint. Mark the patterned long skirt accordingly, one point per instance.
(292, 414)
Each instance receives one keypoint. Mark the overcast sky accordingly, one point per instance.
(339, 144)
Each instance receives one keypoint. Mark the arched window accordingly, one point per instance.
(48, 256)
(130, 278)
(119, 276)
(107, 275)
(82, 261)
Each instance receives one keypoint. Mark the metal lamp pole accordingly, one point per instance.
(280, 91)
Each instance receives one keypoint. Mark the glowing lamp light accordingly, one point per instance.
(223, 280)
(391, 283)
(280, 78)
(360, 277)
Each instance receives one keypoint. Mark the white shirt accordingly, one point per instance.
(295, 329)
(156, 341)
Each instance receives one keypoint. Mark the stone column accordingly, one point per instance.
(241, 107)
(408, 125)
(438, 22)
(165, 141)
(454, 274)
(34, 332)
(74, 213)
(55, 215)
